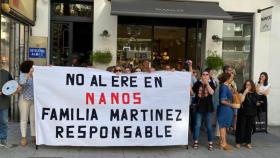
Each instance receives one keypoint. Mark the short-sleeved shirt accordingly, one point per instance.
(262, 88)
(204, 104)
(27, 91)
(225, 94)
(5, 101)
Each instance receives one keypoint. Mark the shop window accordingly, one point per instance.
(237, 44)
(134, 44)
(5, 42)
(72, 9)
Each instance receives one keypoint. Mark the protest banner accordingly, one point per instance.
(89, 107)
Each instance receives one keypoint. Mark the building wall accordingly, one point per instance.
(266, 45)
(42, 25)
(103, 20)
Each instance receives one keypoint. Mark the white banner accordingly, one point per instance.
(266, 19)
(89, 107)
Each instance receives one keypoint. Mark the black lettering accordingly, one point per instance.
(148, 132)
(178, 118)
(116, 131)
(44, 112)
(81, 131)
(133, 114)
(93, 115)
(169, 115)
(127, 131)
(92, 130)
(70, 78)
(148, 82)
(80, 79)
(103, 132)
(53, 115)
(94, 81)
(124, 115)
(133, 81)
(64, 114)
(115, 81)
(59, 131)
(158, 82)
(158, 135)
(100, 82)
(124, 80)
(138, 132)
(69, 132)
(115, 114)
(168, 131)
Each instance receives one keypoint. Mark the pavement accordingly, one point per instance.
(264, 146)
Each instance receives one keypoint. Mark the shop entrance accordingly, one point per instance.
(162, 41)
(71, 32)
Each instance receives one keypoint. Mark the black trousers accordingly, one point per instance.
(244, 128)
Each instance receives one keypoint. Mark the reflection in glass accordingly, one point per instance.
(168, 46)
(237, 49)
(71, 9)
(134, 44)
(5, 42)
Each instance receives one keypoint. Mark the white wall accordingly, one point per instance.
(42, 25)
(103, 20)
(266, 46)
(273, 66)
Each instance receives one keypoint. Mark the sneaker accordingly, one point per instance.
(5, 144)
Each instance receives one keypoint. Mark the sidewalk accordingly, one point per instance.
(265, 146)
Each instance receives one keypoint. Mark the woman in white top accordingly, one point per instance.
(262, 88)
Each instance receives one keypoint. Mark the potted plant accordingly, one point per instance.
(214, 61)
(101, 57)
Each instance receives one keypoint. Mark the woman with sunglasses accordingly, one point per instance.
(203, 89)
(246, 115)
(118, 70)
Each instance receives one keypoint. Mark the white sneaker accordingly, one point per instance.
(5, 144)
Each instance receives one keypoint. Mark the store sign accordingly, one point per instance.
(89, 107)
(266, 19)
(24, 7)
(37, 53)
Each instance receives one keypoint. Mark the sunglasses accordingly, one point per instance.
(118, 70)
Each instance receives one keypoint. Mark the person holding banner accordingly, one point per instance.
(26, 101)
(203, 89)
(225, 109)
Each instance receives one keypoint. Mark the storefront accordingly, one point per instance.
(176, 30)
(17, 17)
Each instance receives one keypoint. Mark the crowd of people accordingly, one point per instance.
(235, 110)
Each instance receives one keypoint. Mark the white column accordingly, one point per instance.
(103, 20)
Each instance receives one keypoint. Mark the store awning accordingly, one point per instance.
(169, 9)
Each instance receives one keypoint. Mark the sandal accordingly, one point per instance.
(195, 145)
(210, 146)
(249, 146)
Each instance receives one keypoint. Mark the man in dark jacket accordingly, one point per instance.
(5, 101)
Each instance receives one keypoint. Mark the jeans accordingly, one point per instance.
(208, 120)
(3, 123)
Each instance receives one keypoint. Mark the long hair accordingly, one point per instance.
(253, 87)
(266, 78)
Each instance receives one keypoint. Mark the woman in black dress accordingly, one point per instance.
(246, 114)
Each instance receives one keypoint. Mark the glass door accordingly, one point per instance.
(169, 46)
(62, 39)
